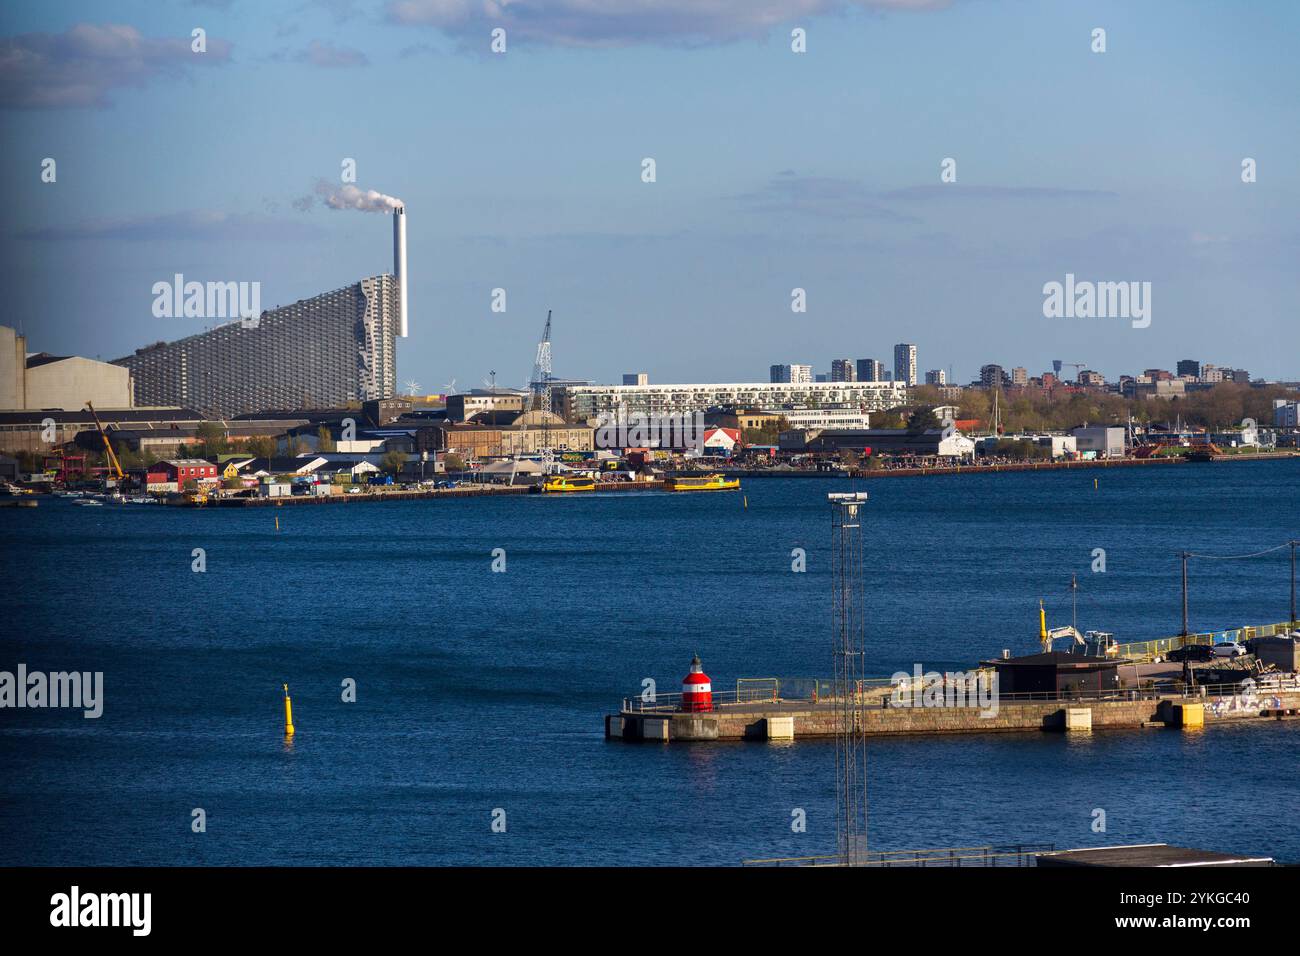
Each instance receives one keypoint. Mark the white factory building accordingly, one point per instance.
(43, 382)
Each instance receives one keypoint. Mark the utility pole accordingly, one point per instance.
(1184, 631)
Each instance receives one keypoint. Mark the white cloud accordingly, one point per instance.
(597, 23)
(79, 67)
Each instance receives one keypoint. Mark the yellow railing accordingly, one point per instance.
(1147, 650)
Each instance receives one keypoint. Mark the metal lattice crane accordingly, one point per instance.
(540, 391)
(540, 385)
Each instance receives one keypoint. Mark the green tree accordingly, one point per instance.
(325, 440)
(260, 446)
(453, 462)
(922, 419)
(212, 438)
(393, 461)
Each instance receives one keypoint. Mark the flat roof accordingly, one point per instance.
(1149, 854)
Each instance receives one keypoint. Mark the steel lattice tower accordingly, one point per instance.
(848, 596)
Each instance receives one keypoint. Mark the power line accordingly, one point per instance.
(1237, 557)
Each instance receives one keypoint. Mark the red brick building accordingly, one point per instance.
(171, 475)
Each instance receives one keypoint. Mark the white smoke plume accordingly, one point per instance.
(350, 197)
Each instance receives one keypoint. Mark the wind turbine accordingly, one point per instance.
(412, 387)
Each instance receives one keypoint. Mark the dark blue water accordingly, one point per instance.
(479, 690)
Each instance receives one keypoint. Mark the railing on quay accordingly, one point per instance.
(1161, 647)
(878, 692)
(1018, 854)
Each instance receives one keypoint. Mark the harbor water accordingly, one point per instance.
(481, 691)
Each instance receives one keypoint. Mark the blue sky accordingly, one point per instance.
(775, 170)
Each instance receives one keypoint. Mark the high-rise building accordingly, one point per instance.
(905, 364)
(782, 374)
(992, 376)
(936, 377)
(1019, 376)
(842, 370)
(1190, 367)
(871, 370)
(636, 378)
(324, 351)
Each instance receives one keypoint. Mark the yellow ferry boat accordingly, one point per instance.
(714, 482)
(565, 483)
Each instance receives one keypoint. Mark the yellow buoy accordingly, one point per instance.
(277, 522)
(1094, 484)
(288, 713)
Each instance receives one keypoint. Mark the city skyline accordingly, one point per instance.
(157, 177)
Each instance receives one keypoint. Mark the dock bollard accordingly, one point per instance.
(288, 713)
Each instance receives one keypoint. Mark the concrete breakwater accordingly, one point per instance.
(949, 469)
(988, 469)
(777, 720)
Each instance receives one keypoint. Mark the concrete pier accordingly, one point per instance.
(797, 720)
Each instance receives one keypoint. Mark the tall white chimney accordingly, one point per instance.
(399, 263)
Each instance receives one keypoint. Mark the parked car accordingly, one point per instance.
(1229, 649)
(1191, 652)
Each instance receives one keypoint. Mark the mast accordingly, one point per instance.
(1074, 591)
(1293, 617)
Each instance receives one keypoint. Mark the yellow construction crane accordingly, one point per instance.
(108, 446)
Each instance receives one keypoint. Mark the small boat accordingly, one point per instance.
(565, 483)
(713, 482)
(89, 503)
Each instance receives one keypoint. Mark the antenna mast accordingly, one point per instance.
(847, 593)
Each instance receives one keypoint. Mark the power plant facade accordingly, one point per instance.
(321, 352)
(324, 351)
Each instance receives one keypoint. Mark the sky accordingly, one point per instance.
(774, 170)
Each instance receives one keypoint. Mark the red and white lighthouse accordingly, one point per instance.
(697, 690)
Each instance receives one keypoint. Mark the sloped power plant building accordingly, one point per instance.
(319, 352)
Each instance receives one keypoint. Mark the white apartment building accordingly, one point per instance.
(809, 418)
(581, 402)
